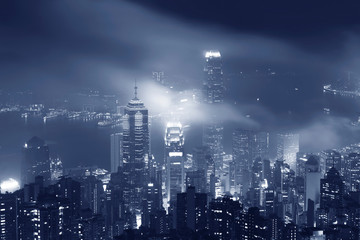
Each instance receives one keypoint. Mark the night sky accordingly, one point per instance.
(45, 44)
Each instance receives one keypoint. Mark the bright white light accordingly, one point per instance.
(264, 184)
(138, 221)
(9, 185)
(209, 54)
(175, 154)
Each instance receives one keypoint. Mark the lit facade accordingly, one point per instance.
(174, 159)
(287, 147)
(213, 93)
(135, 150)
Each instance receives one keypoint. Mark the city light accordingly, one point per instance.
(10, 185)
(214, 54)
(95, 111)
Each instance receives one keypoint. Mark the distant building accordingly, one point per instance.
(287, 147)
(8, 216)
(222, 215)
(331, 189)
(56, 169)
(159, 77)
(352, 171)
(92, 192)
(214, 83)
(116, 219)
(331, 158)
(174, 160)
(262, 142)
(243, 148)
(213, 93)
(116, 151)
(35, 161)
(90, 226)
(135, 151)
(196, 179)
(312, 186)
(253, 225)
(191, 208)
(203, 161)
(152, 202)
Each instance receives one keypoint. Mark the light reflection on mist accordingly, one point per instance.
(92, 44)
(186, 106)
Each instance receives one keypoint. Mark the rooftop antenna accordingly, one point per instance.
(135, 88)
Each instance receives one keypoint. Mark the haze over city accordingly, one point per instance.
(179, 120)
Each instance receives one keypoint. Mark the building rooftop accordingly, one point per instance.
(212, 54)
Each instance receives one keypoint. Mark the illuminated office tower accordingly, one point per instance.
(301, 159)
(213, 94)
(174, 159)
(331, 158)
(56, 168)
(262, 145)
(35, 162)
(214, 83)
(243, 145)
(135, 150)
(352, 171)
(116, 153)
(287, 147)
(203, 161)
(331, 189)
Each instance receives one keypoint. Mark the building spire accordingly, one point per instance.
(135, 90)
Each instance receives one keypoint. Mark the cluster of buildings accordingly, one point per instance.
(198, 194)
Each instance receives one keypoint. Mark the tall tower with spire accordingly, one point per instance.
(135, 151)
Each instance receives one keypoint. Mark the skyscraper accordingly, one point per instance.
(191, 210)
(262, 145)
(135, 149)
(213, 93)
(214, 83)
(243, 145)
(222, 215)
(56, 168)
(312, 190)
(35, 161)
(116, 153)
(174, 159)
(331, 189)
(287, 147)
(331, 158)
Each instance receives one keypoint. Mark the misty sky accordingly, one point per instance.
(54, 47)
(104, 43)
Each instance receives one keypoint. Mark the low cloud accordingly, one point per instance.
(329, 133)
